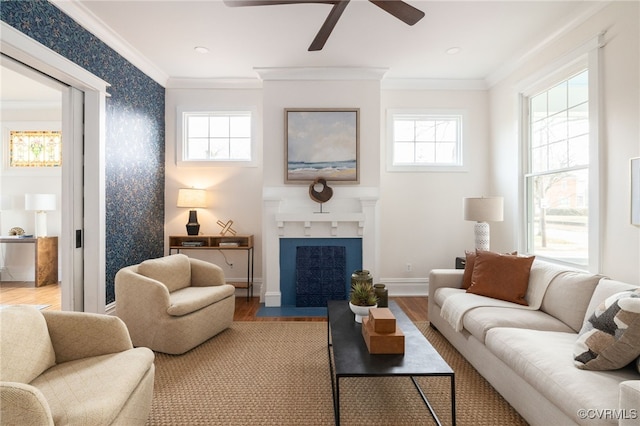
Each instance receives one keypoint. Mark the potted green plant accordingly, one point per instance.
(362, 298)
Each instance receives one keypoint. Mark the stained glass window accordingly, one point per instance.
(35, 148)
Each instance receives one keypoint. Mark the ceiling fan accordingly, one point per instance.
(401, 10)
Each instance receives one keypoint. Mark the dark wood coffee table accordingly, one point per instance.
(349, 357)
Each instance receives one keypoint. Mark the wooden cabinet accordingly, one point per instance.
(46, 257)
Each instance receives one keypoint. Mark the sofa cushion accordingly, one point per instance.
(544, 359)
(443, 293)
(27, 350)
(173, 271)
(92, 391)
(190, 299)
(479, 321)
(611, 338)
(501, 276)
(568, 296)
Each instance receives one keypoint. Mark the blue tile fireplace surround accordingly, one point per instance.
(316, 263)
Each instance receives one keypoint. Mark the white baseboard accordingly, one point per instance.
(406, 286)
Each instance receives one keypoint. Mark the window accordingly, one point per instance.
(215, 136)
(557, 177)
(423, 141)
(35, 148)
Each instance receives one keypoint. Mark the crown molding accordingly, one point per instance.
(518, 61)
(320, 73)
(213, 83)
(432, 84)
(83, 16)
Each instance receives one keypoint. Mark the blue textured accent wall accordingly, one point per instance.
(135, 136)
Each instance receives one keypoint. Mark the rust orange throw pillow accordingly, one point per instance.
(501, 276)
(470, 260)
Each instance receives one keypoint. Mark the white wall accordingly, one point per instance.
(17, 260)
(421, 213)
(621, 133)
(234, 193)
(364, 94)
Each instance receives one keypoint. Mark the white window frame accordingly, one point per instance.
(181, 136)
(584, 57)
(458, 166)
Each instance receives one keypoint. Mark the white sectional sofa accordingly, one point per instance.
(527, 352)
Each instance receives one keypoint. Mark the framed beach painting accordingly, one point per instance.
(635, 191)
(322, 143)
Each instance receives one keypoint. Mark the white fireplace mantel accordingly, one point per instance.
(289, 213)
(309, 219)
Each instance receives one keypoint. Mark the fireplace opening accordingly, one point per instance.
(320, 272)
(314, 270)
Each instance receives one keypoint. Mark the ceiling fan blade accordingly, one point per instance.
(401, 10)
(329, 24)
(243, 3)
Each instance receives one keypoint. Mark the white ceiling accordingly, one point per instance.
(159, 36)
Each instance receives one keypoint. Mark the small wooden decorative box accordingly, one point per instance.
(382, 320)
(382, 343)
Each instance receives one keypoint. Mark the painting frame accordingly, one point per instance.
(635, 190)
(322, 143)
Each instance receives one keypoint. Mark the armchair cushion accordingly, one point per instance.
(72, 400)
(31, 351)
(190, 299)
(173, 271)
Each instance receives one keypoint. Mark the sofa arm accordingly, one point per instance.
(444, 278)
(22, 404)
(629, 403)
(205, 274)
(77, 335)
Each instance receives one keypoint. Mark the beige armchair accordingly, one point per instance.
(174, 303)
(71, 368)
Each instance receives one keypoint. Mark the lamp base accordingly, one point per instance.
(193, 227)
(41, 224)
(481, 230)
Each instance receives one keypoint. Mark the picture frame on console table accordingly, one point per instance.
(635, 191)
(322, 143)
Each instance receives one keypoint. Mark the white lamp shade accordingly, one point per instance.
(192, 198)
(40, 202)
(483, 209)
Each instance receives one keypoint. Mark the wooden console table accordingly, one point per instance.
(46, 262)
(218, 242)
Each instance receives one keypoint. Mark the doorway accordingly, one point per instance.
(82, 245)
(31, 123)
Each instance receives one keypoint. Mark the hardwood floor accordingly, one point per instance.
(12, 293)
(25, 292)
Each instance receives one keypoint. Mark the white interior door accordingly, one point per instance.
(72, 240)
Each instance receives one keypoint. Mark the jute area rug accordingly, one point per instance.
(277, 373)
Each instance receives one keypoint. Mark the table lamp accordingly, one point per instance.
(192, 198)
(483, 210)
(41, 203)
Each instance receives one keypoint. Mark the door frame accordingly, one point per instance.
(22, 48)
